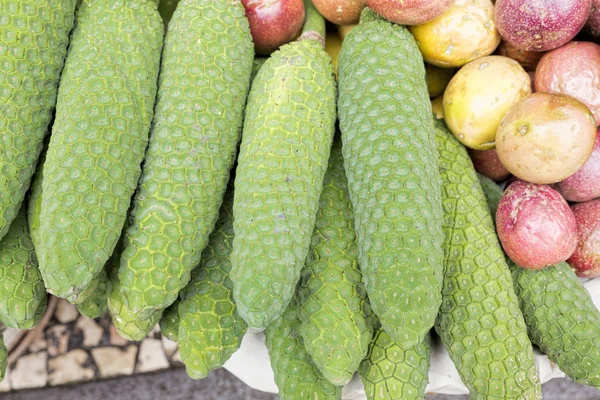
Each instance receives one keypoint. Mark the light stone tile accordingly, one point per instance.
(71, 367)
(92, 332)
(169, 346)
(66, 312)
(115, 338)
(113, 361)
(151, 356)
(5, 384)
(57, 337)
(29, 372)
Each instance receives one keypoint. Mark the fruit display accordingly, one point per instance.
(352, 184)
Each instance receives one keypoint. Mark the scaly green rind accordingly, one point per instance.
(561, 317)
(95, 305)
(169, 322)
(256, 66)
(289, 126)
(103, 115)
(33, 43)
(391, 372)
(34, 208)
(166, 8)
(22, 290)
(480, 322)
(492, 192)
(390, 159)
(127, 324)
(295, 374)
(211, 329)
(333, 305)
(203, 84)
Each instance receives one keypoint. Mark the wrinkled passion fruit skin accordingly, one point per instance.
(528, 59)
(340, 12)
(584, 185)
(465, 32)
(572, 69)
(586, 258)
(274, 23)
(541, 25)
(409, 12)
(535, 225)
(546, 137)
(487, 163)
(478, 97)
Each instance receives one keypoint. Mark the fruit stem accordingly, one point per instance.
(314, 24)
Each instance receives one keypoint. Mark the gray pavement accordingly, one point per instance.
(221, 385)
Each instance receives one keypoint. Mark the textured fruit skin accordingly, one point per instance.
(287, 137)
(295, 374)
(390, 159)
(256, 66)
(127, 324)
(169, 322)
(34, 37)
(204, 80)
(390, 372)
(535, 225)
(333, 307)
(103, 115)
(586, 258)
(211, 329)
(22, 290)
(479, 322)
(95, 304)
(492, 192)
(561, 318)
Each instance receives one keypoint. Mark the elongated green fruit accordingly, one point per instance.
(479, 322)
(22, 290)
(95, 293)
(203, 85)
(256, 66)
(127, 324)
(333, 307)
(103, 115)
(33, 43)
(390, 158)
(169, 322)
(391, 372)
(561, 317)
(289, 126)
(211, 329)
(95, 304)
(295, 374)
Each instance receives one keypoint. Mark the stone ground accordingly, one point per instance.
(221, 385)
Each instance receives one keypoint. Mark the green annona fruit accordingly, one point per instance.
(391, 372)
(103, 114)
(22, 291)
(295, 374)
(210, 328)
(391, 159)
(203, 84)
(33, 43)
(480, 322)
(334, 311)
(286, 141)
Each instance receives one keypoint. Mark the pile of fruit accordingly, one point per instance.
(258, 168)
